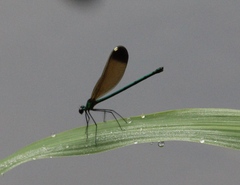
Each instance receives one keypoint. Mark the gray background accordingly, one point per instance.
(53, 52)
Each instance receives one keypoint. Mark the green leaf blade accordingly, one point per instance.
(219, 127)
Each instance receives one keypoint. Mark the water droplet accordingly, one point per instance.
(161, 144)
(142, 116)
(202, 141)
(135, 142)
(129, 120)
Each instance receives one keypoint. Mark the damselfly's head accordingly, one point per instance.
(82, 109)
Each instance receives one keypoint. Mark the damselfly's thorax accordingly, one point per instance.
(89, 106)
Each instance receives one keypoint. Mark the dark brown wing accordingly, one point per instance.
(112, 73)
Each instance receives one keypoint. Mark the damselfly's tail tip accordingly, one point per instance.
(159, 70)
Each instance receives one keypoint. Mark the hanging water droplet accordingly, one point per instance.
(161, 144)
(202, 141)
(142, 116)
(129, 120)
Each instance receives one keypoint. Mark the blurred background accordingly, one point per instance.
(53, 52)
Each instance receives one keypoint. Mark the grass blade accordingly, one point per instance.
(219, 127)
